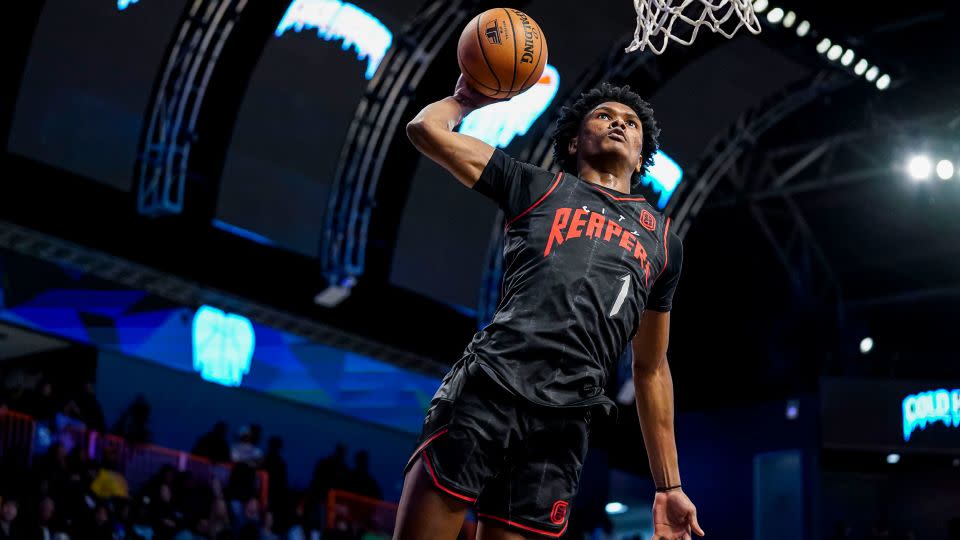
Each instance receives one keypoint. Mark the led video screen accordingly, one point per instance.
(87, 83)
(294, 118)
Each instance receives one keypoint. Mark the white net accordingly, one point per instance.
(656, 18)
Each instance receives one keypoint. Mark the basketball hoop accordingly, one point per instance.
(655, 20)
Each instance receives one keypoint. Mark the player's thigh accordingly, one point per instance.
(424, 512)
(487, 530)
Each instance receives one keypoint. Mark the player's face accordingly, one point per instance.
(611, 128)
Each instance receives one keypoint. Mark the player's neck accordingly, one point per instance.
(608, 178)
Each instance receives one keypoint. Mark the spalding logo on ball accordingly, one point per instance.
(502, 52)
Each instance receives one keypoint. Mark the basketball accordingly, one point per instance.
(502, 52)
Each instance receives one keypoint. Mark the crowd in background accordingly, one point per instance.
(62, 494)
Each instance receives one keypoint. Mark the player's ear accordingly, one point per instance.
(572, 146)
(640, 164)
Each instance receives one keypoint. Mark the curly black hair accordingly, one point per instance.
(568, 125)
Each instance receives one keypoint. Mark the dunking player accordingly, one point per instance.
(588, 267)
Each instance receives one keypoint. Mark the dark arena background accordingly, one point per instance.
(230, 286)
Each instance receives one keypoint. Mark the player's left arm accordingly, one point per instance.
(673, 513)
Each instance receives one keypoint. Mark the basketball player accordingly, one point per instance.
(588, 268)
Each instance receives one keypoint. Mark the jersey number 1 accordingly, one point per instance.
(621, 296)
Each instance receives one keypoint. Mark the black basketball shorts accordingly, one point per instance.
(517, 463)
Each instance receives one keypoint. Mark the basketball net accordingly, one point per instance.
(655, 20)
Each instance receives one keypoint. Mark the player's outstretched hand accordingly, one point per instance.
(674, 516)
(466, 95)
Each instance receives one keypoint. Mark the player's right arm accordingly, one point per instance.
(431, 131)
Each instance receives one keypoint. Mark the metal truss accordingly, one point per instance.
(767, 181)
(171, 128)
(180, 291)
(378, 119)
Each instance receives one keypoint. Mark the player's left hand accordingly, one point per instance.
(674, 516)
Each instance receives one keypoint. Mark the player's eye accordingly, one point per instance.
(603, 116)
(631, 123)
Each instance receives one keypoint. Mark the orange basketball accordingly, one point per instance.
(502, 52)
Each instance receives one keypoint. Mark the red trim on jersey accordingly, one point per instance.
(540, 200)
(526, 528)
(666, 249)
(594, 186)
(441, 487)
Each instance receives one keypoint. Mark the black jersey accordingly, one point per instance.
(581, 264)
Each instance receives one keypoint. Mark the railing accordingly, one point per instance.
(138, 463)
(17, 432)
(351, 512)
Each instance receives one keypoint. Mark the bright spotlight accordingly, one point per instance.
(945, 169)
(793, 409)
(893, 459)
(919, 167)
(789, 19)
(847, 57)
(803, 28)
(759, 6)
(883, 82)
(866, 345)
(775, 15)
(872, 73)
(834, 52)
(861, 67)
(823, 45)
(614, 508)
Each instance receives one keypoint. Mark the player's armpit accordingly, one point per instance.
(651, 341)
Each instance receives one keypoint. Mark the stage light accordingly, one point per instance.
(956, 462)
(834, 52)
(893, 459)
(823, 45)
(866, 345)
(498, 124)
(872, 73)
(803, 28)
(945, 169)
(919, 167)
(847, 57)
(760, 5)
(614, 508)
(793, 409)
(883, 82)
(789, 19)
(861, 67)
(775, 15)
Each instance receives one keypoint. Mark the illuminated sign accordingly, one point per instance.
(499, 123)
(124, 4)
(336, 20)
(928, 408)
(222, 346)
(665, 176)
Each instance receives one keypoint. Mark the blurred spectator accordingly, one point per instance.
(41, 403)
(219, 518)
(109, 483)
(164, 517)
(86, 407)
(99, 527)
(266, 531)
(45, 528)
(248, 521)
(134, 424)
(276, 468)
(244, 451)
(9, 528)
(213, 444)
(50, 471)
(140, 522)
(361, 481)
(330, 472)
(241, 487)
